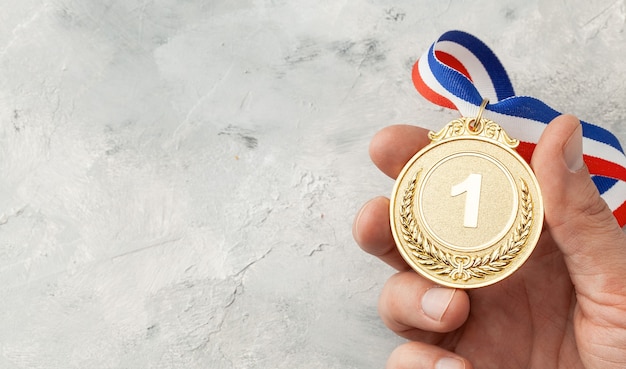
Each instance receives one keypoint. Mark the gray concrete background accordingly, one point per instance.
(179, 178)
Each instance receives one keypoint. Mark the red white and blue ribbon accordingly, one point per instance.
(458, 71)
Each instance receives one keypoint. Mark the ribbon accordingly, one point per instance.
(458, 71)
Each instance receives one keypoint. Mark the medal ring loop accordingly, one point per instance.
(475, 126)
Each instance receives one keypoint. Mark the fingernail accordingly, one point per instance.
(450, 363)
(573, 150)
(435, 302)
(355, 227)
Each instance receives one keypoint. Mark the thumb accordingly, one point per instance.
(578, 219)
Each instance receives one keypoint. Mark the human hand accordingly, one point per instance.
(564, 308)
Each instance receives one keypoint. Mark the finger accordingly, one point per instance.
(578, 219)
(418, 355)
(393, 146)
(410, 304)
(372, 232)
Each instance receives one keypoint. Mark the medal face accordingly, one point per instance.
(466, 211)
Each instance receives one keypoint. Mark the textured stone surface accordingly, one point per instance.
(179, 178)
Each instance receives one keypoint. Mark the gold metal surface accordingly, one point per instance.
(466, 211)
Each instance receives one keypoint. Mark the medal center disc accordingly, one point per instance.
(468, 201)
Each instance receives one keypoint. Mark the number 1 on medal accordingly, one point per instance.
(471, 185)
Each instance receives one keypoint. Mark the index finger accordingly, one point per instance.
(393, 146)
(390, 149)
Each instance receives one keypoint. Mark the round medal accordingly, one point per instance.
(466, 211)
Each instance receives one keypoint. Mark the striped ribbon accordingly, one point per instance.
(459, 70)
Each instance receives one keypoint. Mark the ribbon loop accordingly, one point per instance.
(459, 71)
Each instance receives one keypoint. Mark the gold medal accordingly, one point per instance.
(466, 211)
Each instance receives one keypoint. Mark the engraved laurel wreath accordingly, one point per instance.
(458, 266)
